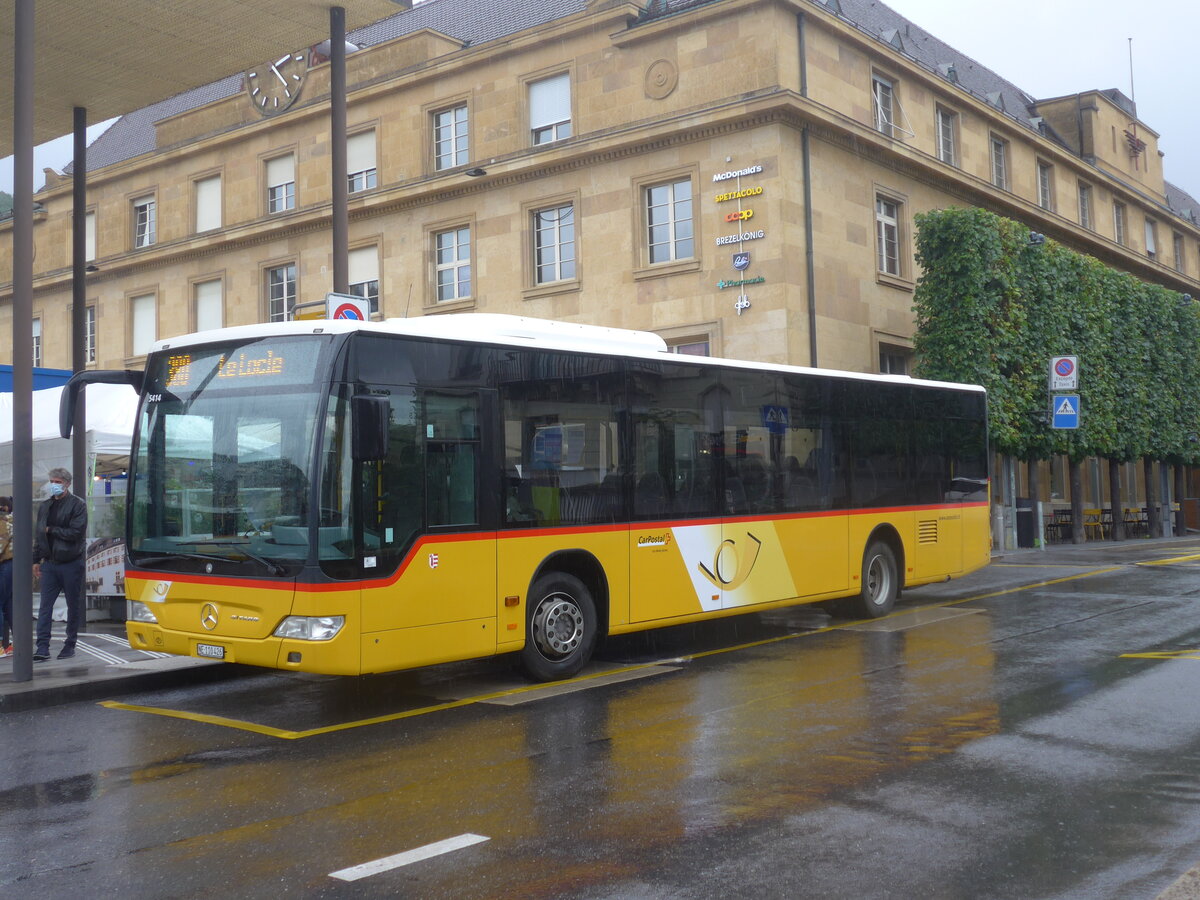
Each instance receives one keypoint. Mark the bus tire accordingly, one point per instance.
(880, 582)
(560, 628)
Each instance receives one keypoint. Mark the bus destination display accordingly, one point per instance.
(255, 364)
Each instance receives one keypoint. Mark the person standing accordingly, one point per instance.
(59, 560)
(6, 619)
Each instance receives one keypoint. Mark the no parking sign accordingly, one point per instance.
(347, 306)
(1064, 373)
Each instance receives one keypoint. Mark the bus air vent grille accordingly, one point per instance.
(927, 531)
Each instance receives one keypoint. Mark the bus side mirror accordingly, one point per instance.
(369, 416)
(80, 380)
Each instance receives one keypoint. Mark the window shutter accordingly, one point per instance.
(360, 152)
(281, 170)
(208, 203)
(550, 101)
(89, 236)
(209, 313)
(144, 324)
(363, 265)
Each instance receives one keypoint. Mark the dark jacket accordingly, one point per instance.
(65, 541)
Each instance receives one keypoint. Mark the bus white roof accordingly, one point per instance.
(498, 328)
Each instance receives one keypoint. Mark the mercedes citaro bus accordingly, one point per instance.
(349, 497)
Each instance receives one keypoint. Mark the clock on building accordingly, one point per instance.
(274, 86)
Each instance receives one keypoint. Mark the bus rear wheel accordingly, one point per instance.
(880, 586)
(560, 628)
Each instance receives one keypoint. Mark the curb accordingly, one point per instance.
(24, 696)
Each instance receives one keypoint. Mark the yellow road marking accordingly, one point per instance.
(287, 734)
(1170, 562)
(1163, 654)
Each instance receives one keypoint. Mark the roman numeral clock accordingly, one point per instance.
(274, 86)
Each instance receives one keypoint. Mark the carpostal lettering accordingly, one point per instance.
(738, 195)
(738, 238)
(749, 170)
(654, 540)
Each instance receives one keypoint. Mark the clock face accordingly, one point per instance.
(274, 86)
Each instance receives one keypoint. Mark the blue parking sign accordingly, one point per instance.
(1064, 411)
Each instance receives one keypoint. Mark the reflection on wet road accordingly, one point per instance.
(1027, 732)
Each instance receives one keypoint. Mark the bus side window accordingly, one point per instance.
(451, 459)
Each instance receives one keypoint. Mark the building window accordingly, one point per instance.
(1177, 240)
(360, 161)
(1085, 205)
(1000, 163)
(89, 334)
(1045, 173)
(670, 235)
(281, 184)
(550, 109)
(690, 347)
(143, 324)
(363, 265)
(450, 138)
(894, 360)
(452, 264)
(1119, 223)
(281, 292)
(883, 103)
(554, 244)
(208, 203)
(89, 237)
(37, 341)
(1151, 239)
(145, 222)
(887, 235)
(947, 136)
(208, 298)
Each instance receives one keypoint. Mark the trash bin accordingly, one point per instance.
(1026, 523)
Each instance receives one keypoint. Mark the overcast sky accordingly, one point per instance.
(1047, 48)
(1050, 48)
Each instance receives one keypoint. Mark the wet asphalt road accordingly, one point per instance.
(1030, 731)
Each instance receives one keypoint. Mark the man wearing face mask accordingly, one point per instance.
(58, 557)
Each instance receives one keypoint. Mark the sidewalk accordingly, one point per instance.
(104, 665)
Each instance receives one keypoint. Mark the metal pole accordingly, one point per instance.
(22, 244)
(80, 470)
(337, 156)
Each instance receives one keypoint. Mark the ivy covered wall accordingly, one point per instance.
(992, 309)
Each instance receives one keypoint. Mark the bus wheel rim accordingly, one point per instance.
(558, 626)
(878, 581)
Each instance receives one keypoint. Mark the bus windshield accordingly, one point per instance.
(222, 465)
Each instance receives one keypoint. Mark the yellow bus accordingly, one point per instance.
(350, 497)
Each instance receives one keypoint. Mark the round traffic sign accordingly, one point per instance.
(348, 311)
(1064, 367)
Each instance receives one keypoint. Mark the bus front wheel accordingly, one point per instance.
(560, 628)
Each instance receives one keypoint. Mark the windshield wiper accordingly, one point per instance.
(272, 568)
(167, 557)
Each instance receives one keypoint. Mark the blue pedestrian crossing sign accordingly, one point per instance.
(1064, 411)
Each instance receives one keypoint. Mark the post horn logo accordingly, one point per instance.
(208, 616)
(743, 564)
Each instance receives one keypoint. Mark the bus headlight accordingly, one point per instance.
(139, 612)
(310, 628)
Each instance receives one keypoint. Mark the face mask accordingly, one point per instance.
(54, 488)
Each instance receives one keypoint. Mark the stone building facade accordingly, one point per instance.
(739, 176)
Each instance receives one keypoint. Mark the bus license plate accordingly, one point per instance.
(210, 651)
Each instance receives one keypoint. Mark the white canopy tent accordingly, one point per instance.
(111, 411)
